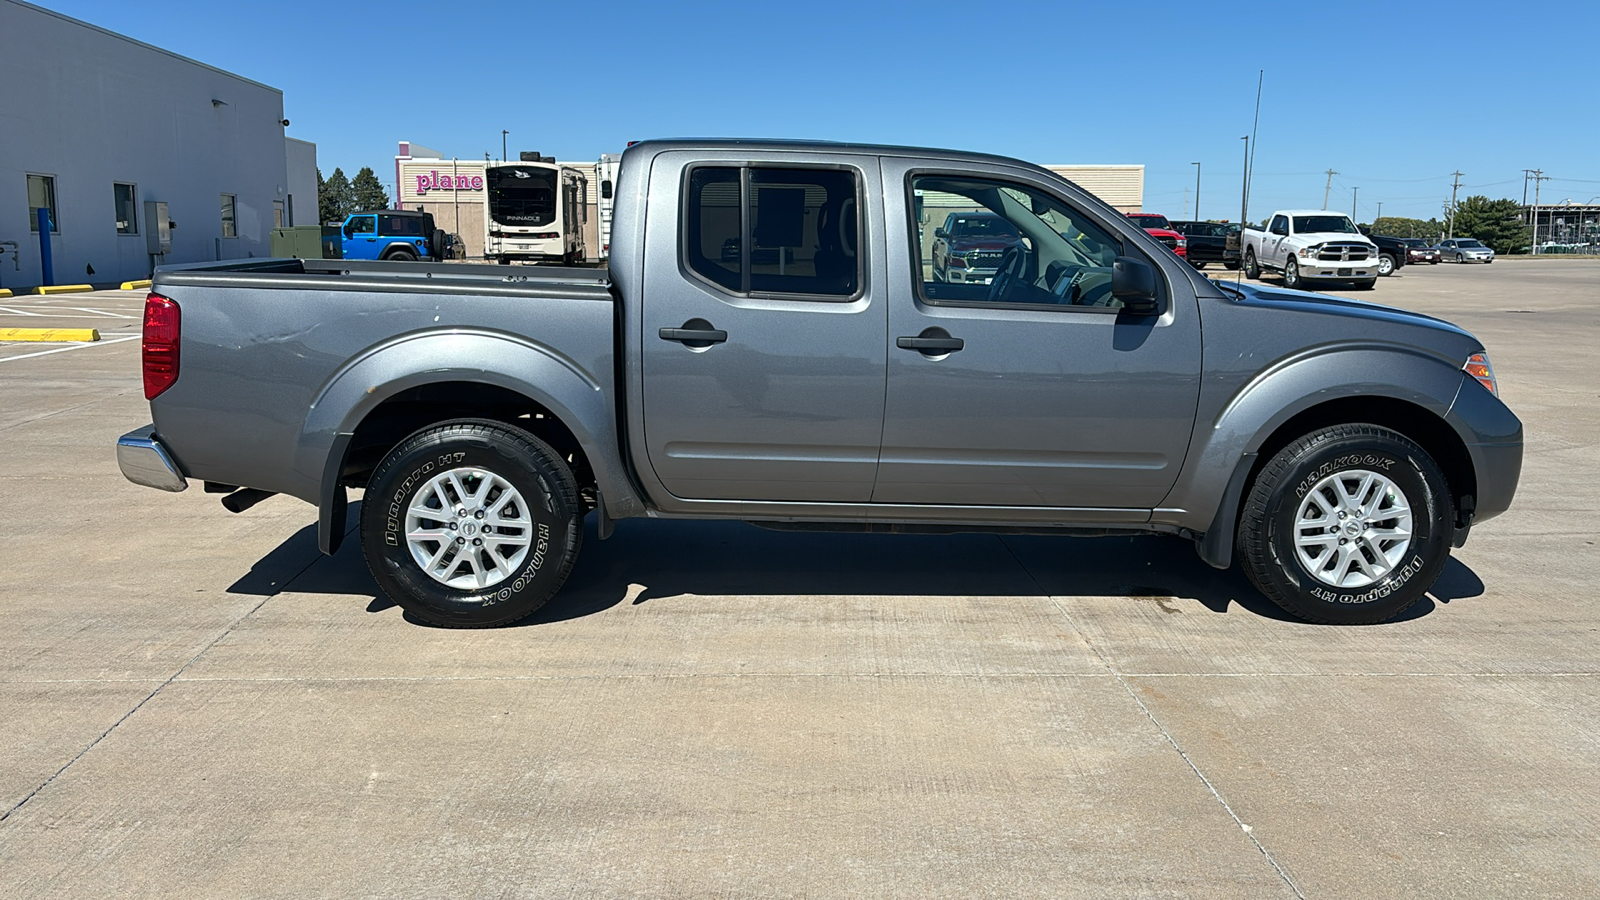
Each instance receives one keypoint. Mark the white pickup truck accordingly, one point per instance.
(1308, 245)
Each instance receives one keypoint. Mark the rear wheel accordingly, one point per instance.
(1348, 525)
(1197, 265)
(1252, 269)
(471, 524)
(400, 255)
(1230, 266)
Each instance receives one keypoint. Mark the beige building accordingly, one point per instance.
(1120, 186)
(453, 190)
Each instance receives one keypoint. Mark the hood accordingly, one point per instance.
(983, 243)
(1453, 338)
(1162, 232)
(1325, 237)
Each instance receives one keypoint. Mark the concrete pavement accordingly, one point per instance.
(194, 703)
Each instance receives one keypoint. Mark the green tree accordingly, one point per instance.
(1497, 223)
(335, 197)
(367, 191)
(1402, 227)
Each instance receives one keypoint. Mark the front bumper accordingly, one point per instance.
(143, 460)
(970, 276)
(1314, 270)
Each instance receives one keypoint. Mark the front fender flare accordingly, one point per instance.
(1225, 449)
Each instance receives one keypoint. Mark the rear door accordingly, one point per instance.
(1034, 390)
(763, 329)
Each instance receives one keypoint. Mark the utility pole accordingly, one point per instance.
(1354, 193)
(1454, 186)
(503, 134)
(1197, 193)
(1538, 176)
(1380, 212)
(1328, 188)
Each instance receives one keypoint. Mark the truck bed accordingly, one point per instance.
(280, 356)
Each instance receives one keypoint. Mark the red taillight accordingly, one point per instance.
(161, 330)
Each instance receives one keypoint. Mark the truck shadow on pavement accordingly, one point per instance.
(654, 560)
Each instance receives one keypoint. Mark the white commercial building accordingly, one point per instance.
(98, 129)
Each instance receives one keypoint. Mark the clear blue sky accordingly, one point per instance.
(1392, 96)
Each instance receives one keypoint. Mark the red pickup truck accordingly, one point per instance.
(1159, 228)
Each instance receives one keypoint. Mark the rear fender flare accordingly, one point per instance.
(533, 370)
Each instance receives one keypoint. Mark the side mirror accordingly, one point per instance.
(941, 234)
(1134, 283)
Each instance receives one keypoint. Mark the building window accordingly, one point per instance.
(42, 195)
(127, 215)
(228, 228)
(277, 214)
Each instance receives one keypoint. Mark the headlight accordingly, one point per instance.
(1478, 367)
(1310, 251)
(1182, 243)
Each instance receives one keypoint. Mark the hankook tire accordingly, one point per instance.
(1349, 525)
(471, 524)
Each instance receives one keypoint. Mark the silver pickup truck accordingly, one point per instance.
(769, 344)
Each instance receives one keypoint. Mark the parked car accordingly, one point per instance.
(1391, 251)
(394, 234)
(1465, 250)
(1209, 242)
(1158, 227)
(1310, 245)
(1096, 385)
(968, 248)
(1420, 251)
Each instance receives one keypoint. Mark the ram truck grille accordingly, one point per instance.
(1343, 253)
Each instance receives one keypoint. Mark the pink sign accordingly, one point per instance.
(433, 181)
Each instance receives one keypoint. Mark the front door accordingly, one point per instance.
(1033, 390)
(361, 237)
(763, 332)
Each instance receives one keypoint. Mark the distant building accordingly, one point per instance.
(1121, 186)
(96, 128)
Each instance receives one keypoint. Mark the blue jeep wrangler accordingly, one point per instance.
(393, 234)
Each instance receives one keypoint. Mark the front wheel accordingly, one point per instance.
(1291, 274)
(1385, 264)
(471, 524)
(1461, 258)
(1252, 269)
(1349, 525)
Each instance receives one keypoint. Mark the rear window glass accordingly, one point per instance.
(402, 226)
(802, 225)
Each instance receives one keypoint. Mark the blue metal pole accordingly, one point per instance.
(46, 265)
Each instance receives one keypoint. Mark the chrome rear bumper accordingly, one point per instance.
(144, 461)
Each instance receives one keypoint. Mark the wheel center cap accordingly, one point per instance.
(1353, 528)
(469, 528)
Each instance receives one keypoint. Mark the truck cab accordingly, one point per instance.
(392, 234)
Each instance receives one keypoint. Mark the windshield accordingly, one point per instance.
(1148, 222)
(1469, 242)
(984, 226)
(1336, 224)
(522, 195)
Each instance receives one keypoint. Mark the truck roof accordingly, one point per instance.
(659, 145)
(1309, 212)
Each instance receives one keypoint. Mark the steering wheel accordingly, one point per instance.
(1010, 270)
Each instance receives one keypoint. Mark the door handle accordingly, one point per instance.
(696, 333)
(930, 344)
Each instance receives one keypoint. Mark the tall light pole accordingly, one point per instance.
(503, 134)
(1197, 192)
(1539, 177)
(1354, 192)
(1380, 212)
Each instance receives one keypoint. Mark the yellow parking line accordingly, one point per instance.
(136, 285)
(62, 288)
(50, 334)
(5, 292)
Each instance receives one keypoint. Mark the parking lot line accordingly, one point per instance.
(117, 340)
